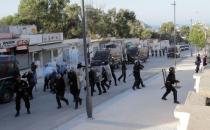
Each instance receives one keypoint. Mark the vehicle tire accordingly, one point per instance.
(7, 96)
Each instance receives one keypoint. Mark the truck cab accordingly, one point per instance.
(101, 57)
(8, 70)
(174, 52)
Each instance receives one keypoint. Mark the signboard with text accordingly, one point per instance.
(7, 43)
(18, 44)
(52, 37)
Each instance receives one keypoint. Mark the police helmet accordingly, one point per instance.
(171, 69)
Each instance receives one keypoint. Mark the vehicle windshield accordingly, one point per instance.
(7, 69)
(111, 46)
(132, 51)
(103, 55)
(172, 50)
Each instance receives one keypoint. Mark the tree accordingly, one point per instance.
(95, 21)
(184, 32)
(166, 31)
(9, 20)
(136, 28)
(146, 34)
(110, 19)
(61, 16)
(125, 19)
(197, 35)
(72, 22)
(46, 14)
(167, 28)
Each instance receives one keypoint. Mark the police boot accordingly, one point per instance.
(80, 101)
(28, 111)
(67, 102)
(176, 102)
(58, 107)
(17, 114)
(138, 87)
(163, 98)
(110, 82)
(76, 105)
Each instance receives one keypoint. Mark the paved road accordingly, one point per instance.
(141, 109)
(44, 108)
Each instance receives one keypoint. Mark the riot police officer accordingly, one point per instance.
(156, 52)
(104, 80)
(112, 67)
(136, 73)
(33, 69)
(31, 82)
(22, 92)
(60, 90)
(74, 87)
(197, 63)
(160, 52)
(163, 52)
(152, 51)
(170, 81)
(92, 80)
(123, 75)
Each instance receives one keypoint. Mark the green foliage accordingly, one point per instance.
(184, 32)
(72, 22)
(61, 16)
(197, 35)
(9, 20)
(167, 28)
(123, 18)
(146, 34)
(167, 32)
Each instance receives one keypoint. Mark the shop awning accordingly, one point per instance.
(35, 48)
(54, 46)
(47, 47)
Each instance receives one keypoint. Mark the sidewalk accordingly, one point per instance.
(138, 110)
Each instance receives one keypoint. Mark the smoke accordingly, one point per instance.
(49, 69)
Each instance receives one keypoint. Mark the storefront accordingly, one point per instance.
(19, 48)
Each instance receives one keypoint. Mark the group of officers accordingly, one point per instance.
(161, 52)
(73, 80)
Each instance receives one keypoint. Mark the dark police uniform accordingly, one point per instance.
(198, 62)
(170, 81)
(22, 92)
(104, 80)
(136, 73)
(112, 67)
(92, 80)
(60, 91)
(74, 87)
(123, 75)
(31, 82)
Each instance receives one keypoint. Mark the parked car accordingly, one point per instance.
(8, 70)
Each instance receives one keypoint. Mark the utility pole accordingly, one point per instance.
(191, 22)
(205, 39)
(89, 107)
(174, 4)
